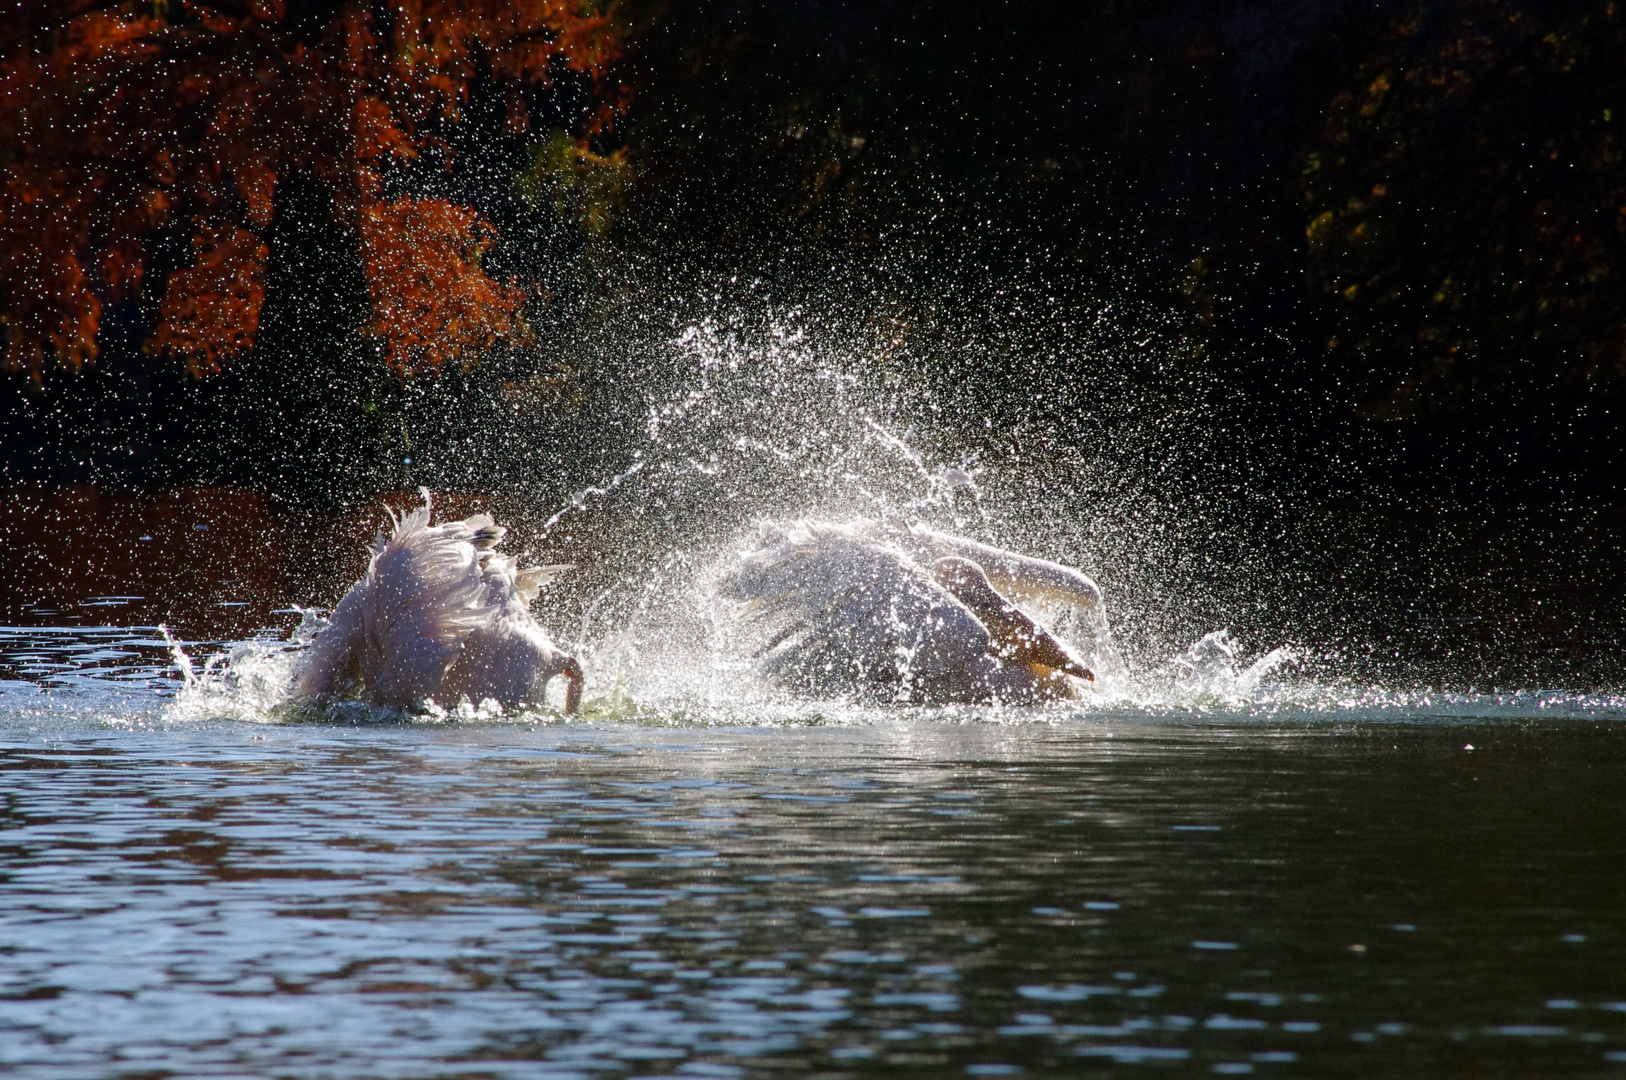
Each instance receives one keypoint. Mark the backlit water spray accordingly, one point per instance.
(771, 421)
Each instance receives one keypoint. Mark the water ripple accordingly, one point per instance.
(209, 896)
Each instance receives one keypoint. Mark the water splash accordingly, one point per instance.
(178, 657)
(754, 420)
(248, 680)
(1211, 669)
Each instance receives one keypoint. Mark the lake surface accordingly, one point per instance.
(1254, 887)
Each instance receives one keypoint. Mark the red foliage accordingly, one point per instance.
(212, 308)
(121, 118)
(431, 301)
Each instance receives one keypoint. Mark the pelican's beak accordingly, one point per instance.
(574, 678)
(1034, 644)
(1015, 635)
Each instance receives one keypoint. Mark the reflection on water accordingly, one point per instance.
(1351, 893)
(101, 671)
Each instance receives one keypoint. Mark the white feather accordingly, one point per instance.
(438, 615)
(843, 609)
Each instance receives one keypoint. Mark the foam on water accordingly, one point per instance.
(640, 677)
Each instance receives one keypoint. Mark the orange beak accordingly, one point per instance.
(1015, 635)
(573, 686)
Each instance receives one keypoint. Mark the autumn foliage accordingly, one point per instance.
(430, 298)
(124, 122)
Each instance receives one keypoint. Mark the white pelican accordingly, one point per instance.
(439, 615)
(881, 610)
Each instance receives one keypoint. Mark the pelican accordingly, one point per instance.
(881, 610)
(440, 616)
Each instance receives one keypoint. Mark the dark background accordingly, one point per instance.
(1330, 292)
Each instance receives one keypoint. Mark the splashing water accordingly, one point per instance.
(759, 423)
(651, 672)
(1224, 860)
(249, 680)
(1212, 669)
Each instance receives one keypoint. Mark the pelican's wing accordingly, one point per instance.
(841, 611)
(511, 588)
(1065, 596)
(423, 594)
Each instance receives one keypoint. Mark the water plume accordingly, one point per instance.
(1083, 451)
(752, 424)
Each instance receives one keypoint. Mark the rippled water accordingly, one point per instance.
(1289, 889)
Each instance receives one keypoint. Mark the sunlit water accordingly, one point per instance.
(1261, 877)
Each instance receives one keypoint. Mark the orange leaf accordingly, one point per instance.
(431, 299)
(211, 309)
